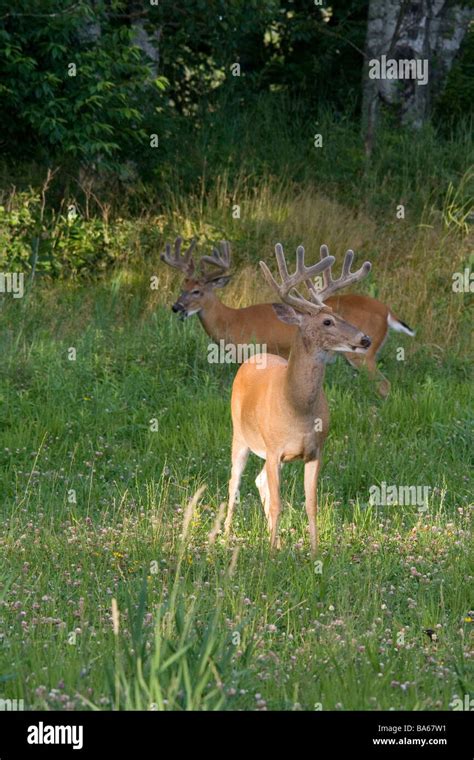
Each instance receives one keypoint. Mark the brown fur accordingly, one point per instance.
(260, 324)
(274, 410)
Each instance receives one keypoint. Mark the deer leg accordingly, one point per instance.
(368, 361)
(240, 453)
(262, 484)
(272, 468)
(311, 471)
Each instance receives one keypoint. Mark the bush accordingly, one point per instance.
(76, 88)
(59, 243)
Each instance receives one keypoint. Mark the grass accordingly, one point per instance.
(274, 135)
(95, 496)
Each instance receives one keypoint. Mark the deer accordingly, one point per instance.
(279, 410)
(259, 323)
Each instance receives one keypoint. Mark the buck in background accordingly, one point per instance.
(279, 411)
(259, 323)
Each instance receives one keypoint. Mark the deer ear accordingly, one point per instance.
(286, 314)
(220, 282)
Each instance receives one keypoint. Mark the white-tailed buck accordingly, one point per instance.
(259, 323)
(279, 410)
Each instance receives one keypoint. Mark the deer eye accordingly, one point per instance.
(195, 292)
(327, 322)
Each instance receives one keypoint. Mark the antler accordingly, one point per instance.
(184, 262)
(347, 277)
(290, 282)
(219, 258)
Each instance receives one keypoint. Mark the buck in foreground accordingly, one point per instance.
(279, 411)
(258, 323)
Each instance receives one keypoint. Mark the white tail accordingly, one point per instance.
(259, 323)
(398, 325)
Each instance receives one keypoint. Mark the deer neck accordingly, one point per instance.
(216, 318)
(305, 376)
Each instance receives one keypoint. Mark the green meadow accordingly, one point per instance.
(118, 589)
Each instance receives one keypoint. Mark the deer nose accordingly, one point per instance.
(177, 307)
(365, 342)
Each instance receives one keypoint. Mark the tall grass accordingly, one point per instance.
(274, 136)
(413, 264)
(271, 137)
(94, 503)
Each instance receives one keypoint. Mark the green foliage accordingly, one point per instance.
(256, 155)
(18, 227)
(59, 243)
(74, 85)
(201, 39)
(300, 74)
(317, 52)
(290, 45)
(457, 98)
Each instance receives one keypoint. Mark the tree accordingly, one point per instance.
(409, 31)
(75, 86)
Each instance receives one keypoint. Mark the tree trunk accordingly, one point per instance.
(429, 31)
(148, 42)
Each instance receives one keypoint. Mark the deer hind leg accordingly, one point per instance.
(368, 361)
(261, 481)
(272, 469)
(311, 472)
(240, 453)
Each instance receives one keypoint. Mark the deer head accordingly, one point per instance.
(199, 282)
(321, 329)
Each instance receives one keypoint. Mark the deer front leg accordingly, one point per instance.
(272, 469)
(240, 453)
(311, 472)
(262, 484)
